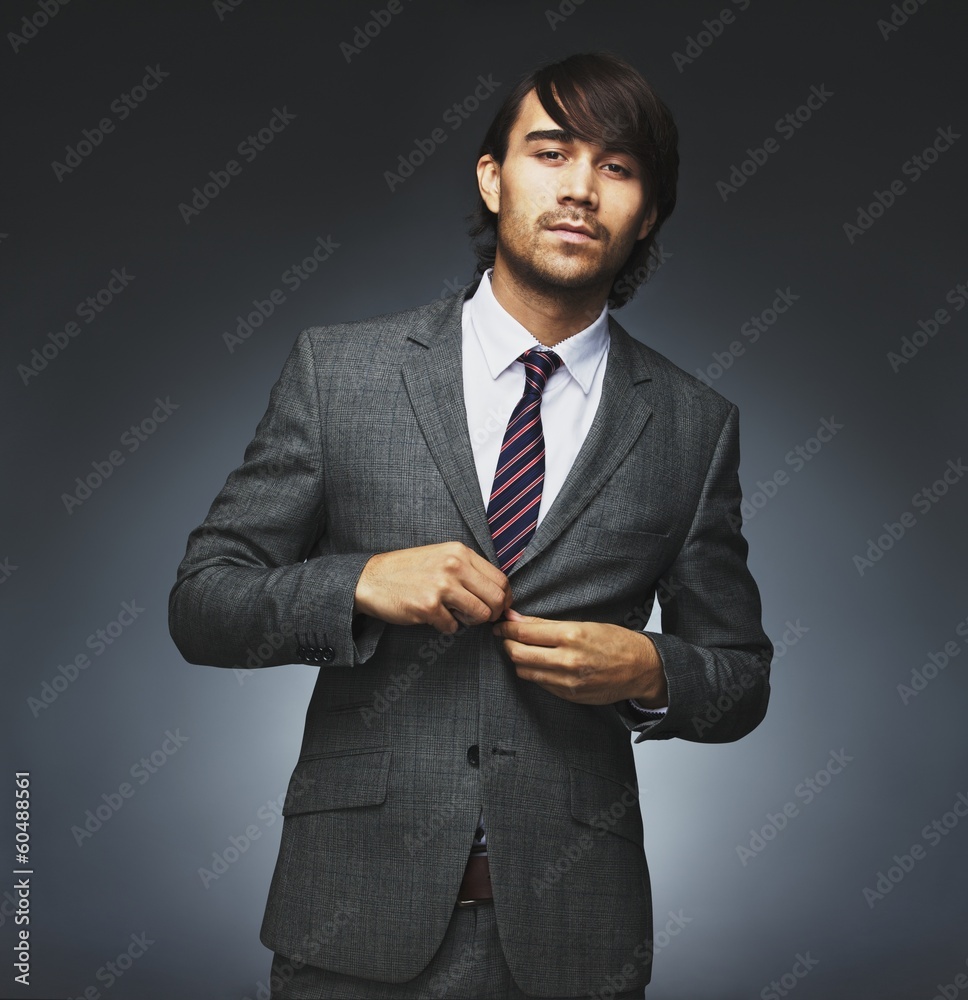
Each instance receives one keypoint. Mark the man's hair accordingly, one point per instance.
(600, 99)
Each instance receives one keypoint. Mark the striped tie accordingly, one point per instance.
(512, 511)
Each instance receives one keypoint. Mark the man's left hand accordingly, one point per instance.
(592, 663)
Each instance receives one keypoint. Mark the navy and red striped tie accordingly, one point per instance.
(512, 511)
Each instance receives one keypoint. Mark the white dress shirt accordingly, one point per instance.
(493, 340)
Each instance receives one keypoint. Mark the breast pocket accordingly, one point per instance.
(624, 543)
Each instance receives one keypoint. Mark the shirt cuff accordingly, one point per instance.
(647, 711)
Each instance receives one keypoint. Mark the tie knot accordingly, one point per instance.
(539, 366)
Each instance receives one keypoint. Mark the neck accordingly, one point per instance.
(549, 315)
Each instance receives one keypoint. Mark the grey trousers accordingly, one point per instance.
(469, 965)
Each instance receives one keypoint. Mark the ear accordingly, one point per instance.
(647, 223)
(489, 181)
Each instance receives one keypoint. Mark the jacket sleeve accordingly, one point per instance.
(246, 595)
(714, 653)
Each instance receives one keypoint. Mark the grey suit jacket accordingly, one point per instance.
(365, 448)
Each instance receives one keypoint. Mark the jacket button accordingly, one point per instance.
(327, 653)
(474, 755)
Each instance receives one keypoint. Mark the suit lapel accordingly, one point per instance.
(433, 376)
(621, 416)
(434, 380)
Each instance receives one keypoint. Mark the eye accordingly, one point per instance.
(553, 155)
(617, 168)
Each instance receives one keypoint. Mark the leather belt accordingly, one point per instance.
(475, 887)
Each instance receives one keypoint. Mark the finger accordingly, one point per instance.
(495, 595)
(507, 600)
(468, 571)
(471, 605)
(488, 569)
(510, 615)
(529, 655)
(465, 607)
(492, 587)
(444, 621)
(464, 620)
(484, 578)
(536, 632)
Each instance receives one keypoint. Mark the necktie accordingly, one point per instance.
(512, 510)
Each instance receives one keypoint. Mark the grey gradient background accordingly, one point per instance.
(859, 635)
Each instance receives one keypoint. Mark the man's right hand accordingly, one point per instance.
(443, 585)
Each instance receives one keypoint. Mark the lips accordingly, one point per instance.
(572, 229)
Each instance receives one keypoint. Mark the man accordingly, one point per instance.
(462, 514)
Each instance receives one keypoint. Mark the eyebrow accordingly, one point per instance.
(550, 134)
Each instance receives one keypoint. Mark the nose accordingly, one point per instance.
(577, 185)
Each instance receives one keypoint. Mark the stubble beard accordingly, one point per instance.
(564, 274)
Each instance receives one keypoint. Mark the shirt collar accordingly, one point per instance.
(503, 339)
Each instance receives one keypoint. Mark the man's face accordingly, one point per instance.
(568, 211)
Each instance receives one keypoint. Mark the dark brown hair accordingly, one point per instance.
(600, 99)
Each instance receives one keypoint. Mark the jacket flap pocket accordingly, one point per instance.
(338, 781)
(625, 543)
(606, 804)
